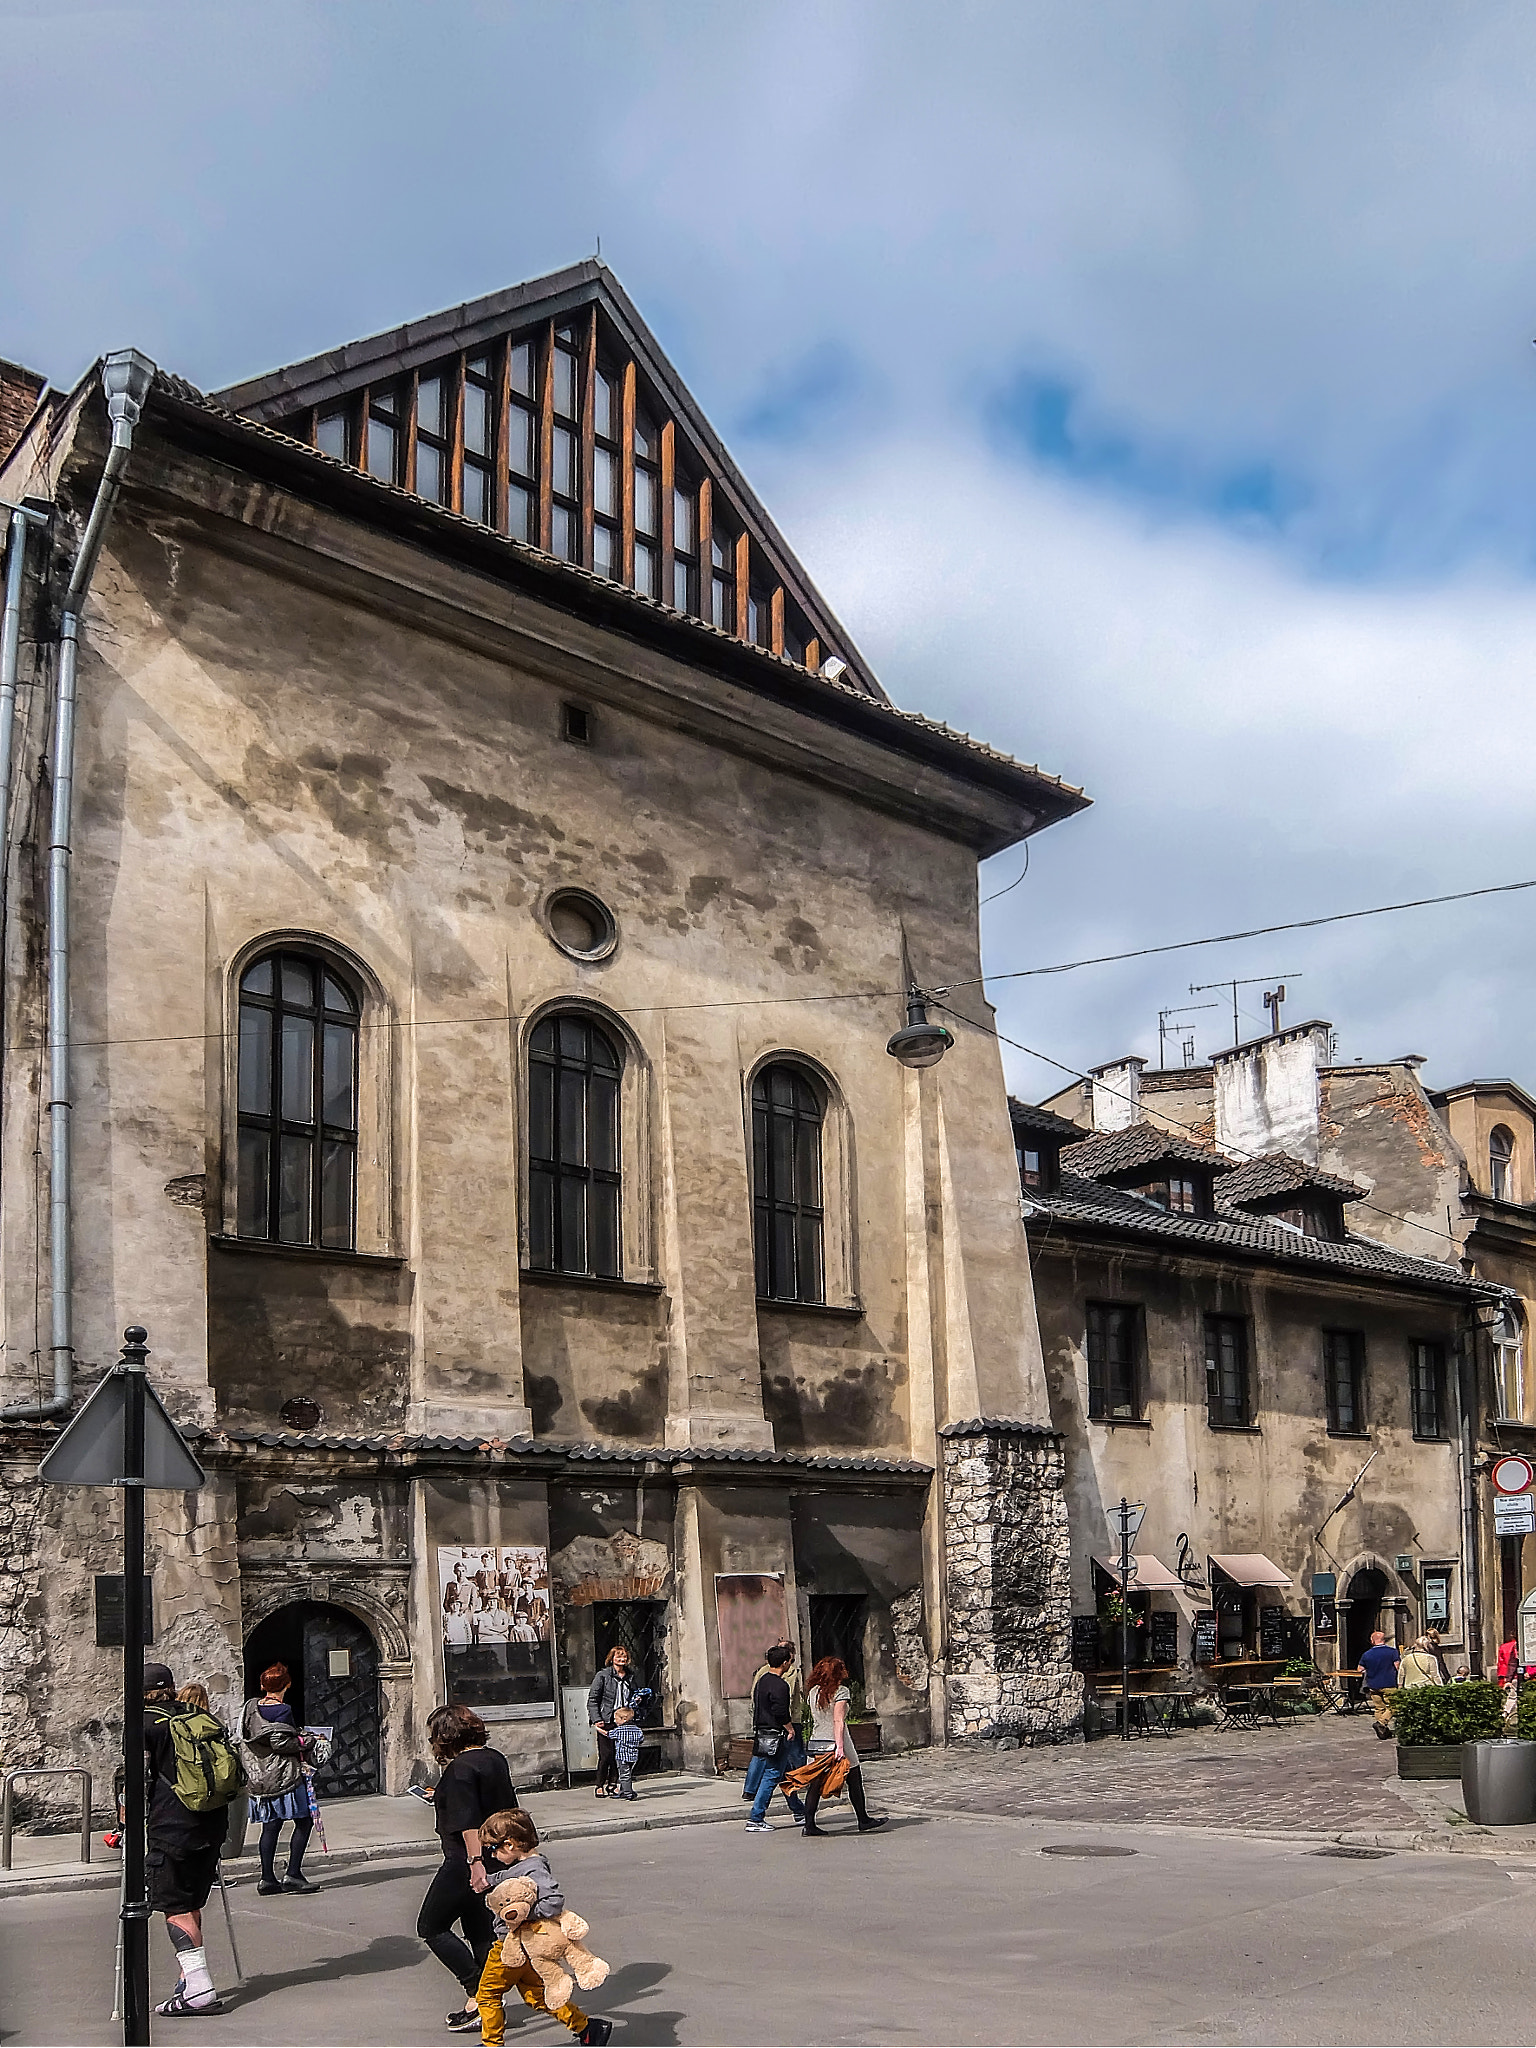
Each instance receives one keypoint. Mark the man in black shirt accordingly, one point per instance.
(771, 1716)
(181, 1852)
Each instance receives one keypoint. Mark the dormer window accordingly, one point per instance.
(1181, 1194)
(1182, 1197)
(1501, 1164)
(1037, 1165)
(1319, 1218)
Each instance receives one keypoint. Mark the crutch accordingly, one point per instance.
(229, 1925)
(117, 1977)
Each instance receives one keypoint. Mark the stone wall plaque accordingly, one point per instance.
(109, 1610)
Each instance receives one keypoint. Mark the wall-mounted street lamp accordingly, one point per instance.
(919, 1043)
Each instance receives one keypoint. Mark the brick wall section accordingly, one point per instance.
(1008, 1583)
(19, 392)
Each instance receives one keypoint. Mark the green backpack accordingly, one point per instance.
(208, 1773)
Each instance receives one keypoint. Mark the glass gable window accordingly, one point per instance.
(722, 579)
(573, 1148)
(297, 1137)
(565, 447)
(522, 443)
(647, 504)
(788, 1217)
(1426, 1388)
(1344, 1381)
(386, 435)
(607, 476)
(479, 441)
(685, 549)
(1112, 1346)
(333, 434)
(1226, 1372)
(434, 447)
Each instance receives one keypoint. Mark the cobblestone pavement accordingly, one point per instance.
(1323, 1775)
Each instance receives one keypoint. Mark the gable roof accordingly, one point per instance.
(1143, 1144)
(1278, 1174)
(519, 309)
(1026, 1116)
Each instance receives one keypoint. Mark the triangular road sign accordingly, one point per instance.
(90, 1452)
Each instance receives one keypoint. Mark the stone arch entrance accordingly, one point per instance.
(335, 1665)
(1365, 1593)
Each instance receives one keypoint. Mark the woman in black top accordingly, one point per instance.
(475, 1784)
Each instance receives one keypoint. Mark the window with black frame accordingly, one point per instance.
(1344, 1381)
(297, 1094)
(565, 446)
(479, 440)
(434, 436)
(647, 453)
(1426, 1388)
(1226, 1372)
(1113, 1330)
(574, 1181)
(788, 1215)
(607, 475)
(386, 434)
(685, 546)
(522, 442)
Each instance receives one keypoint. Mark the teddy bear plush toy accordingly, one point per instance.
(554, 1947)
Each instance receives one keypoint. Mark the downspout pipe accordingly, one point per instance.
(126, 378)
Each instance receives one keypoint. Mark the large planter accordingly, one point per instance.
(866, 1737)
(1429, 1759)
(1498, 1783)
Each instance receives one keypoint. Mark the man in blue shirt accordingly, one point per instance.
(1379, 1668)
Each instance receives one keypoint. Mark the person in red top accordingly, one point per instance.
(1509, 1656)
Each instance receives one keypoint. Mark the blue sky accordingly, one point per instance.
(1150, 389)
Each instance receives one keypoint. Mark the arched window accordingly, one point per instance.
(297, 1171)
(1509, 1367)
(788, 1215)
(573, 1148)
(1501, 1164)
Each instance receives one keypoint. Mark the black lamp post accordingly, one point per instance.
(919, 1043)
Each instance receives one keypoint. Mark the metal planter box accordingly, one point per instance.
(1429, 1759)
(1498, 1783)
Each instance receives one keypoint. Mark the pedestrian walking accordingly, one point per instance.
(193, 1774)
(474, 1784)
(613, 1687)
(828, 1691)
(511, 1844)
(1432, 1637)
(776, 1744)
(1379, 1669)
(794, 1755)
(1419, 1666)
(627, 1738)
(276, 1751)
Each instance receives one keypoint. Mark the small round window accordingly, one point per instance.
(580, 925)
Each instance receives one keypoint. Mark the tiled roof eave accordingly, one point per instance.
(502, 1450)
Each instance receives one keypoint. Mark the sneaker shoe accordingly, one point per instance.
(596, 2033)
(758, 1827)
(461, 2022)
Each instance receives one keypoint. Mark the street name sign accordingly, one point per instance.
(1514, 1514)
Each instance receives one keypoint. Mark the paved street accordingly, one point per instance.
(940, 1929)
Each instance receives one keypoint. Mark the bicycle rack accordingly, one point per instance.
(8, 1801)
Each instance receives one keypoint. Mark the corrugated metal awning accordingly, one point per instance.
(1152, 1575)
(1250, 1568)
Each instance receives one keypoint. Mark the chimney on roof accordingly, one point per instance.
(20, 389)
(1114, 1094)
(1267, 1094)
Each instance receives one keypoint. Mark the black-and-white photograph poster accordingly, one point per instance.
(495, 1609)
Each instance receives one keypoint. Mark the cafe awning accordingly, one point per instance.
(1249, 1568)
(1152, 1575)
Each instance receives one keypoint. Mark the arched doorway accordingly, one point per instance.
(1364, 1593)
(335, 1666)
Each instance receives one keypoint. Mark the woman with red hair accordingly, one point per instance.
(829, 1697)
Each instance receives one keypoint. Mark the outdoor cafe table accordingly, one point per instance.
(1247, 1687)
(1154, 1701)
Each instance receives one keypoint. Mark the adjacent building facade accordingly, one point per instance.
(461, 990)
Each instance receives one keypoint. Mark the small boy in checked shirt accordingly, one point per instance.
(627, 1738)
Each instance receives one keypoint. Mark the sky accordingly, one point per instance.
(1149, 389)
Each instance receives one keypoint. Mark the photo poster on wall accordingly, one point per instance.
(496, 1614)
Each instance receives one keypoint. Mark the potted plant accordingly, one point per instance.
(1433, 1721)
(1120, 1626)
(862, 1724)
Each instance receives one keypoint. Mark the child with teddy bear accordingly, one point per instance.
(538, 1947)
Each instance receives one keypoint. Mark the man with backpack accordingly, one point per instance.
(193, 1774)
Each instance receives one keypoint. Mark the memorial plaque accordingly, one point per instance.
(1164, 1645)
(1205, 1639)
(109, 1611)
(1085, 1642)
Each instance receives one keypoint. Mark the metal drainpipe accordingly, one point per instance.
(125, 378)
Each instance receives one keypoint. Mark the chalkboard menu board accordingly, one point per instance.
(1204, 1650)
(1163, 1646)
(110, 1618)
(1085, 1642)
(1298, 1636)
(1272, 1632)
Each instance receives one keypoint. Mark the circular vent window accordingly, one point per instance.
(299, 1414)
(581, 925)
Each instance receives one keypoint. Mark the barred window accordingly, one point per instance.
(297, 1148)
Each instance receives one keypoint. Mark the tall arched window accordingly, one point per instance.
(297, 1168)
(573, 1148)
(1501, 1164)
(1509, 1367)
(788, 1215)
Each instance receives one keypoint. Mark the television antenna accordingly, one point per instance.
(1274, 995)
(1167, 1029)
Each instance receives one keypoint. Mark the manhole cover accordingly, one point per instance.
(1354, 1855)
(1085, 1849)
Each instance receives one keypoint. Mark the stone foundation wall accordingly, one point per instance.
(1008, 1585)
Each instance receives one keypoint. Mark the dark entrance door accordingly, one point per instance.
(335, 1667)
(639, 1626)
(1364, 1593)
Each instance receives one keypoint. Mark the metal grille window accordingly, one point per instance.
(786, 1185)
(573, 1148)
(297, 1168)
(565, 447)
(837, 1630)
(1112, 1348)
(1344, 1381)
(479, 441)
(639, 1626)
(1226, 1372)
(522, 443)
(1426, 1388)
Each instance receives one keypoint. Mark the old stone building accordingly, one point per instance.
(1229, 1337)
(461, 880)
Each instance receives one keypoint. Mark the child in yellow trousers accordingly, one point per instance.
(509, 1842)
